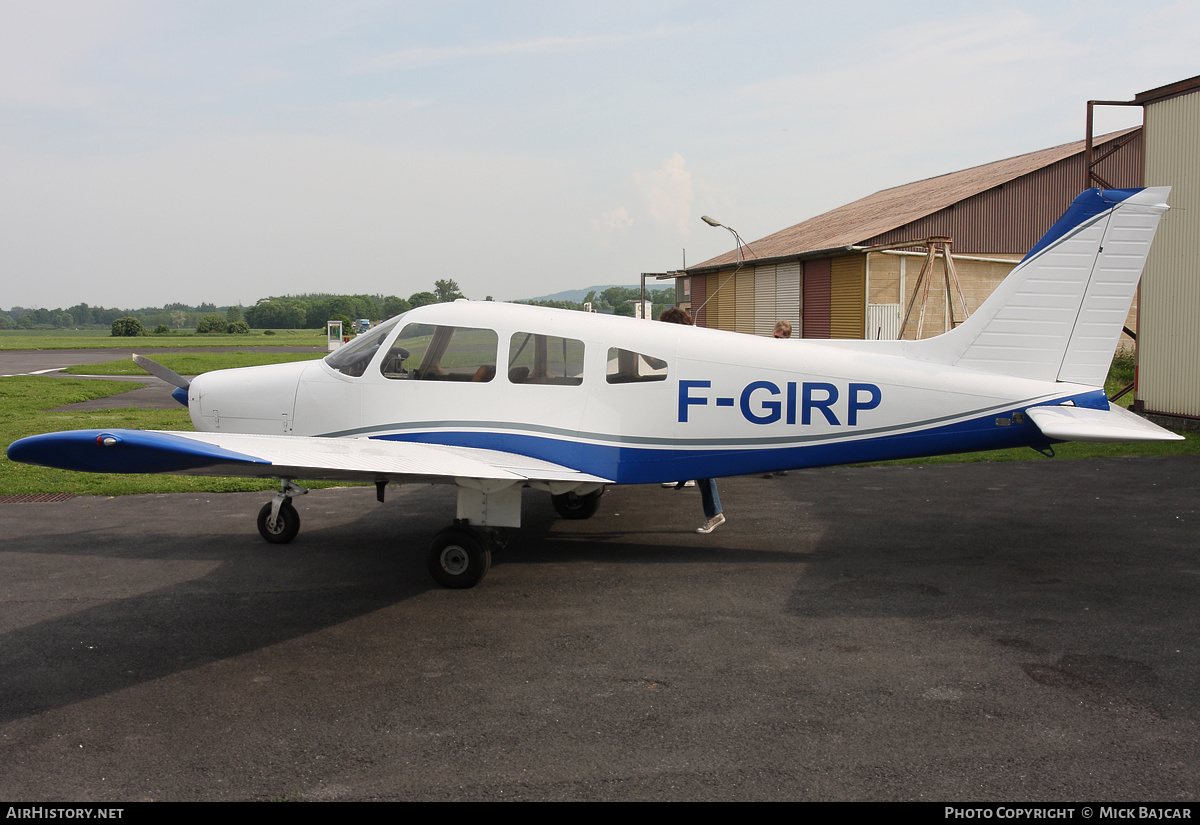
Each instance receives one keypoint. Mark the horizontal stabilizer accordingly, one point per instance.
(1066, 423)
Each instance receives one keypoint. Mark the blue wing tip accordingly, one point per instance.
(122, 451)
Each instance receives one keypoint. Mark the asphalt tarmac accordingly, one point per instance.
(1024, 631)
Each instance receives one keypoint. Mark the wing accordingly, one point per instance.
(267, 456)
(1066, 423)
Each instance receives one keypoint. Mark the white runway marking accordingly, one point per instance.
(36, 372)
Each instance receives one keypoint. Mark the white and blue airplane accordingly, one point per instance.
(496, 397)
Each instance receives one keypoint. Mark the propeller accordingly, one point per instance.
(165, 373)
(180, 394)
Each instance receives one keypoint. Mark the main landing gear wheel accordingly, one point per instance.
(459, 557)
(571, 506)
(287, 523)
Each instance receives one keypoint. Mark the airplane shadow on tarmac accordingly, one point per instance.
(253, 595)
(1056, 566)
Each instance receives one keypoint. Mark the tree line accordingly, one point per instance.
(82, 316)
(306, 311)
(617, 300)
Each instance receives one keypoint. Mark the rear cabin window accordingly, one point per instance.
(545, 359)
(628, 367)
(424, 352)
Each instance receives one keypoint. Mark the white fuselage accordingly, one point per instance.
(634, 401)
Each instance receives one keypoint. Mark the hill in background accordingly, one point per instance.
(578, 295)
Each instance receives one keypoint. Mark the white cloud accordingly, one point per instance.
(228, 151)
(616, 219)
(667, 192)
(896, 90)
(271, 215)
(43, 46)
(428, 55)
(385, 108)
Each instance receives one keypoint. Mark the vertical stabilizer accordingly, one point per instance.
(1059, 313)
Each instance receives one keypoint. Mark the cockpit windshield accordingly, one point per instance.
(352, 358)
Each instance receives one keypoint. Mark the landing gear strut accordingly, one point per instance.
(278, 521)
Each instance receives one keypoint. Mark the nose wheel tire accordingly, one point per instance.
(287, 523)
(458, 557)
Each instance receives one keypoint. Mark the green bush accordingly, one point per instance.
(1122, 368)
(238, 328)
(161, 329)
(347, 324)
(212, 323)
(268, 332)
(127, 328)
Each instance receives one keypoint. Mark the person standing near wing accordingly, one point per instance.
(714, 518)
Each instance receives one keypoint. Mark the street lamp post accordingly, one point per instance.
(740, 244)
(732, 231)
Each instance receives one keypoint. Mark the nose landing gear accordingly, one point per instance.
(278, 521)
(283, 527)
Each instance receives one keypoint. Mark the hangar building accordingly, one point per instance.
(830, 278)
(1169, 304)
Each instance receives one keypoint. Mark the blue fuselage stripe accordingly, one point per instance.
(642, 464)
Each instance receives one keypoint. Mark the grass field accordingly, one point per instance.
(26, 403)
(194, 363)
(14, 339)
(1069, 450)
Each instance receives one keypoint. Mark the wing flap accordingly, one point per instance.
(1065, 423)
(265, 456)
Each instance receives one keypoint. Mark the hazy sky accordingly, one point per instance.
(227, 151)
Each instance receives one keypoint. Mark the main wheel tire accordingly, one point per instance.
(571, 506)
(287, 523)
(458, 557)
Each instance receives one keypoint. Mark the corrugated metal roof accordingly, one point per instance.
(891, 208)
(1180, 87)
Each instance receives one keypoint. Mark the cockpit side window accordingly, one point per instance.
(352, 358)
(628, 367)
(425, 352)
(545, 359)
